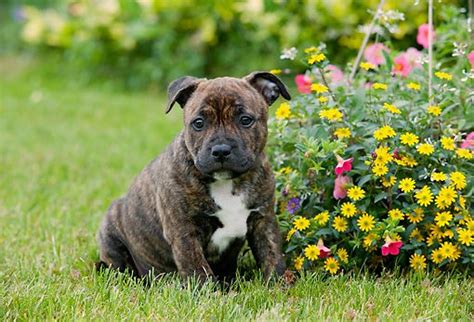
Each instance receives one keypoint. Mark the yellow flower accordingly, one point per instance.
(319, 88)
(462, 202)
(383, 155)
(366, 222)
(343, 132)
(311, 50)
(416, 216)
(291, 232)
(438, 176)
(285, 170)
(301, 223)
(275, 71)
(384, 132)
(299, 261)
(464, 153)
(446, 196)
(367, 66)
(379, 170)
(448, 143)
(331, 114)
(406, 185)
(416, 234)
(311, 252)
(443, 218)
(356, 193)
(379, 86)
(331, 265)
(434, 110)
(409, 139)
(465, 237)
(425, 148)
(443, 75)
(450, 251)
(322, 218)
(348, 209)
(339, 224)
(391, 108)
(323, 99)
(414, 86)
(406, 161)
(437, 256)
(458, 179)
(396, 214)
(424, 196)
(316, 58)
(369, 240)
(283, 111)
(418, 262)
(390, 182)
(343, 255)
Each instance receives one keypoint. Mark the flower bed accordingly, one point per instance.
(373, 172)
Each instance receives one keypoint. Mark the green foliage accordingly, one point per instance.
(154, 40)
(357, 161)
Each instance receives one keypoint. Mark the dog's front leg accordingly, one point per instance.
(186, 249)
(189, 258)
(265, 242)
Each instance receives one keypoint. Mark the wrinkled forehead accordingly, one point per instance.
(223, 97)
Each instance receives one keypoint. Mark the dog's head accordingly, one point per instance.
(226, 119)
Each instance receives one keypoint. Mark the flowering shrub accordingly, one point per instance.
(375, 173)
(155, 40)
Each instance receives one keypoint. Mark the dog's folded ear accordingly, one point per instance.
(180, 90)
(268, 85)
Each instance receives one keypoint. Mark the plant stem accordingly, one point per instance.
(321, 71)
(366, 40)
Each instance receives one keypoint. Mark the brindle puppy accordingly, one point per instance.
(192, 207)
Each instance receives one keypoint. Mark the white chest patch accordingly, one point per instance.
(233, 214)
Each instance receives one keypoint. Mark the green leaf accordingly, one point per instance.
(363, 180)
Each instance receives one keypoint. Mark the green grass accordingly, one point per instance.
(67, 151)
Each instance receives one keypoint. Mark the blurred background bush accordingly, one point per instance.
(150, 42)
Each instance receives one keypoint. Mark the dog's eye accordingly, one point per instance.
(246, 120)
(198, 124)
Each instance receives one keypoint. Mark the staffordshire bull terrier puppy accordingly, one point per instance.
(191, 209)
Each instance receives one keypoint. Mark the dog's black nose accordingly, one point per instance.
(220, 152)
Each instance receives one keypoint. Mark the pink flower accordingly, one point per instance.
(335, 74)
(401, 66)
(422, 37)
(470, 57)
(413, 55)
(391, 247)
(343, 165)
(303, 82)
(340, 191)
(468, 142)
(324, 252)
(373, 54)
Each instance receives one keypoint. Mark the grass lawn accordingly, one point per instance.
(67, 151)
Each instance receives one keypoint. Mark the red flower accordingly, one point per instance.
(303, 82)
(324, 252)
(391, 247)
(401, 66)
(343, 165)
(340, 184)
(422, 37)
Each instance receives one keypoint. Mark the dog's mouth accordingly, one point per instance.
(223, 170)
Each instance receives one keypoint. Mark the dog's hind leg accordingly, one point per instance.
(113, 252)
